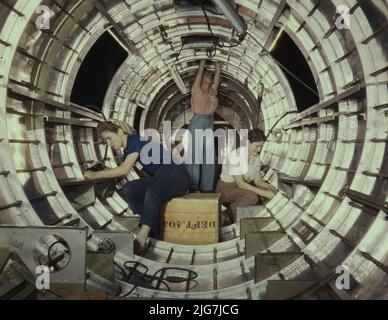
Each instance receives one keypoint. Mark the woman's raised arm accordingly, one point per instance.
(198, 78)
(217, 75)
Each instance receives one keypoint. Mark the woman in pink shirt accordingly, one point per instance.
(200, 162)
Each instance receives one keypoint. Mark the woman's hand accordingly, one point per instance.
(272, 189)
(265, 193)
(270, 194)
(90, 175)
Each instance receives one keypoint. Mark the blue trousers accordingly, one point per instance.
(147, 195)
(201, 174)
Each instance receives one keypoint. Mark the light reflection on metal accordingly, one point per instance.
(118, 40)
(178, 80)
(274, 43)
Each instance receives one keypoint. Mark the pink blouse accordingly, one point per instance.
(204, 102)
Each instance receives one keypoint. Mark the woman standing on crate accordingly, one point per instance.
(145, 196)
(204, 102)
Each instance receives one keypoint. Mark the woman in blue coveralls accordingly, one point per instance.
(145, 196)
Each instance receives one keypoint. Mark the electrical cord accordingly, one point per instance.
(133, 271)
(212, 51)
(145, 278)
(283, 67)
(179, 53)
(217, 42)
(95, 109)
(266, 167)
(176, 279)
(278, 120)
(50, 260)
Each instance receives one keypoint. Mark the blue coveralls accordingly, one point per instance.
(146, 196)
(201, 174)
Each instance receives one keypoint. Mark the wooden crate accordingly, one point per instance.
(192, 219)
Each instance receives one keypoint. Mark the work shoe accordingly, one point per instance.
(140, 244)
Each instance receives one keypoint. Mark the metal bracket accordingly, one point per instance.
(248, 225)
(247, 212)
(4, 255)
(129, 223)
(101, 263)
(16, 281)
(259, 241)
(123, 240)
(22, 241)
(80, 195)
(268, 264)
(364, 199)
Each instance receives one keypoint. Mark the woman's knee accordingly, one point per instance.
(152, 194)
(218, 188)
(251, 198)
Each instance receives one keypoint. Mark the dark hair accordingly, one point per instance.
(114, 126)
(256, 135)
(107, 126)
